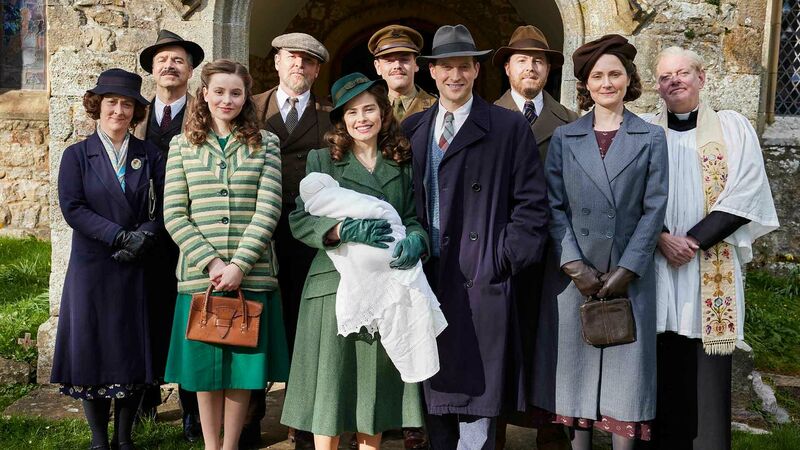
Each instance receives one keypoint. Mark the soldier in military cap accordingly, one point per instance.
(291, 111)
(395, 49)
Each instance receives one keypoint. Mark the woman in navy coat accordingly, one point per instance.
(109, 189)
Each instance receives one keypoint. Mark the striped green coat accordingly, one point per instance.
(226, 205)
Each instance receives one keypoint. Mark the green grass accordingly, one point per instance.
(783, 437)
(24, 275)
(771, 321)
(9, 393)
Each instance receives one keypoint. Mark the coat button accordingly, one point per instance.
(300, 156)
(609, 234)
(224, 220)
(223, 165)
(468, 284)
(611, 214)
(473, 236)
(586, 211)
(584, 231)
(476, 187)
(223, 192)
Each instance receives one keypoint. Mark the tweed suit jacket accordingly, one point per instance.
(390, 182)
(552, 116)
(608, 213)
(308, 134)
(223, 204)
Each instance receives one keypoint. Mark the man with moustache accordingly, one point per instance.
(395, 49)
(719, 203)
(171, 61)
(527, 61)
(481, 195)
(300, 120)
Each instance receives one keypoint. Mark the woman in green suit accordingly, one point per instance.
(339, 384)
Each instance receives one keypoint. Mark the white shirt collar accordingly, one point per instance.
(519, 100)
(175, 106)
(459, 117)
(302, 101)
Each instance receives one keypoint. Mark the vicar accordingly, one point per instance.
(719, 203)
(480, 193)
(291, 111)
(171, 61)
(395, 49)
(527, 61)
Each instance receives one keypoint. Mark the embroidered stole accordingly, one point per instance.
(717, 269)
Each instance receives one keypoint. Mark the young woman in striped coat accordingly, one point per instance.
(222, 201)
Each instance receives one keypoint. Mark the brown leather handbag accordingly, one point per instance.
(607, 322)
(224, 320)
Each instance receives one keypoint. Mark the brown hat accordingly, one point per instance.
(301, 42)
(167, 38)
(395, 39)
(587, 54)
(527, 38)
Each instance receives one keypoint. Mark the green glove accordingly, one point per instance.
(407, 252)
(373, 232)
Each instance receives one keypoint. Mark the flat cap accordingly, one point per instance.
(301, 42)
(587, 54)
(395, 39)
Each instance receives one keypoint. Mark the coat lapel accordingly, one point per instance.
(274, 122)
(98, 160)
(626, 145)
(354, 172)
(385, 171)
(239, 154)
(134, 176)
(583, 145)
(307, 121)
(507, 102)
(548, 121)
(420, 145)
(475, 128)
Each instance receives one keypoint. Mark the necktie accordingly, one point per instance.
(447, 131)
(166, 118)
(399, 109)
(530, 112)
(292, 117)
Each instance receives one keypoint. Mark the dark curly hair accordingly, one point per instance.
(391, 141)
(246, 128)
(634, 91)
(91, 103)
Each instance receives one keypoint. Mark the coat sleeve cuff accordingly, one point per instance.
(323, 225)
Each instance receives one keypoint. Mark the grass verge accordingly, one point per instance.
(783, 437)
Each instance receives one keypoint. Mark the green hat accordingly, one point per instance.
(347, 88)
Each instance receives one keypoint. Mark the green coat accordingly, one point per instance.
(338, 383)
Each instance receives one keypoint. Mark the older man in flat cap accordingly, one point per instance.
(300, 120)
(171, 61)
(527, 61)
(395, 49)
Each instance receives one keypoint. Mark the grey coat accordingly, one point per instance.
(607, 212)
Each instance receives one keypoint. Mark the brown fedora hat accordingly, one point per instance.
(167, 38)
(527, 38)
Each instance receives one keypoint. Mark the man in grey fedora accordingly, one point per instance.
(481, 196)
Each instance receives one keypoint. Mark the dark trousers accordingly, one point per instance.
(693, 409)
(461, 431)
(294, 260)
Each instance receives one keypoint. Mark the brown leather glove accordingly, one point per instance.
(615, 283)
(585, 277)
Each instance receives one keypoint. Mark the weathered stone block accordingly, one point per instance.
(134, 40)
(46, 342)
(742, 50)
(14, 372)
(72, 72)
(99, 39)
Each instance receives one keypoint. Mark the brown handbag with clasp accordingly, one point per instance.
(224, 320)
(607, 322)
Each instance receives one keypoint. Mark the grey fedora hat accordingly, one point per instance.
(453, 40)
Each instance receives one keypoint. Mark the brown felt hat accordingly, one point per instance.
(167, 38)
(527, 38)
(395, 39)
(587, 54)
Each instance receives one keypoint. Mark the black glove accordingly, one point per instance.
(132, 245)
(615, 283)
(374, 232)
(585, 277)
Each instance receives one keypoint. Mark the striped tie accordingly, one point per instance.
(292, 117)
(447, 131)
(530, 112)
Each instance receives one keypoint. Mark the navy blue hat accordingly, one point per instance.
(121, 82)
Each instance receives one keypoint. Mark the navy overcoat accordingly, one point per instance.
(102, 333)
(493, 222)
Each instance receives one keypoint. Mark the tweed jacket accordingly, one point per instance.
(552, 116)
(421, 102)
(309, 134)
(226, 205)
(390, 182)
(608, 213)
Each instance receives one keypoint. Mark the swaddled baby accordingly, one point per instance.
(399, 304)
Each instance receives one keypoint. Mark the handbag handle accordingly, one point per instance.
(239, 294)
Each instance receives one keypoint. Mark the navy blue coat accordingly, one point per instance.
(103, 323)
(493, 222)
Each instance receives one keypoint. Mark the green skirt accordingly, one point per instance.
(344, 384)
(198, 366)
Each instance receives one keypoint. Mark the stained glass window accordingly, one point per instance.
(23, 52)
(787, 95)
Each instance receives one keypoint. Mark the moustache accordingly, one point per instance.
(170, 72)
(397, 72)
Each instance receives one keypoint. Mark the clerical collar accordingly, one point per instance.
(683, 121)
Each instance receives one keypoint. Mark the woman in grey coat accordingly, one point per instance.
(607, 185)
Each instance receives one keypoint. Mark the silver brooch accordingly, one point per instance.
(136, 164)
